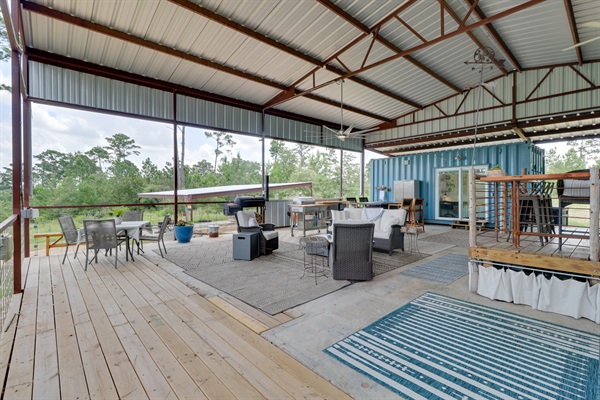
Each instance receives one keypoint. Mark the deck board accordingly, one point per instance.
(69, 361)
(45, 373)
(138, 332)
(20, 372)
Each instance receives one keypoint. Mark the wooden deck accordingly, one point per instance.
(574, 252)
(138, 332)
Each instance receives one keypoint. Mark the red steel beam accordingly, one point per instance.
(573, 26)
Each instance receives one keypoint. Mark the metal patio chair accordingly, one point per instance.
(71, 234)
(156, 238)
(100, 235)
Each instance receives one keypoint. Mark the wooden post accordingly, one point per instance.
(472, 209)
(504, 224)
(594, 221)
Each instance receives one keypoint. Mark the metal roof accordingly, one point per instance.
(217, 191)
(398, 58)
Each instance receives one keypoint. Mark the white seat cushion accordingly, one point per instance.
(337, 216)
(372, 214)
(244, 216)
(354, 213)
(270, 234)
(389, 218)
(400, 214)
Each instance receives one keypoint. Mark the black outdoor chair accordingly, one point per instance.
(351, 253)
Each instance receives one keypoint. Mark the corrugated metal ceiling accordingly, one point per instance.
(256, 51)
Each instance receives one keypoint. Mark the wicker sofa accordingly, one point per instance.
(387, 235)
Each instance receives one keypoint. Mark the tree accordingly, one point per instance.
(224, 140)
(121, 146)
(5, 51)
(283, 163)
(202, 174)
(149, 170)
(351, 175)
(276, 149)
(181, 164)
(303, 153)
(99, 154)
(6, 178)
(50, 168)
(80, 166)
(586, 149)
(239, 171)
(558, 164)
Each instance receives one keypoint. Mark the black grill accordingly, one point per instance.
(573, 191)
(231, 208)
(249, 201)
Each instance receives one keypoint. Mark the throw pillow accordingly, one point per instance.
(337, 216)
(252, 222)
(385, 226)
(353, 213)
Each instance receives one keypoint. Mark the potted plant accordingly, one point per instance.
(117, 213)
(183, 231)
(496, 170)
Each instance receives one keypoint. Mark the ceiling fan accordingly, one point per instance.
(590, 24)
(346, 134)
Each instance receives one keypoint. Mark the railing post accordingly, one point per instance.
(594, 221)
(472, 209)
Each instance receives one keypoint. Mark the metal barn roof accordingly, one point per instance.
(400, 60)
(217, 191)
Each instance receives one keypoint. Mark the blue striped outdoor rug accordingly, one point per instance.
(440, 347)
(445, 269)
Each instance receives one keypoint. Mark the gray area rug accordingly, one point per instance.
(455, 237)
(272, 283)
(445, 269)
(382, 261)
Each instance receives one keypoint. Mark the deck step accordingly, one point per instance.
(238, 314)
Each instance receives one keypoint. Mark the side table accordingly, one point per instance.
(412, 233)
(316, 249)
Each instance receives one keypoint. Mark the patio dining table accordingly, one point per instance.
(131, 230)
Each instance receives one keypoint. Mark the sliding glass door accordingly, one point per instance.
(452, 192)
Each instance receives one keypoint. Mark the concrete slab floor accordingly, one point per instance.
(331, 318)
(328, 319)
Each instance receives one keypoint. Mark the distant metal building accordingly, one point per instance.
(442, 175)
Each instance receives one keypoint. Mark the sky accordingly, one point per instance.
(68, 130)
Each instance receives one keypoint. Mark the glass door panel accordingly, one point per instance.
(448, 195)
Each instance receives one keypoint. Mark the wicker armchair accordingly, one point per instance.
(351, 254)
(269, 237)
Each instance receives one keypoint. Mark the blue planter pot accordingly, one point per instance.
(183, 234)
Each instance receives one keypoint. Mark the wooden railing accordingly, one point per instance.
(526, 209)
